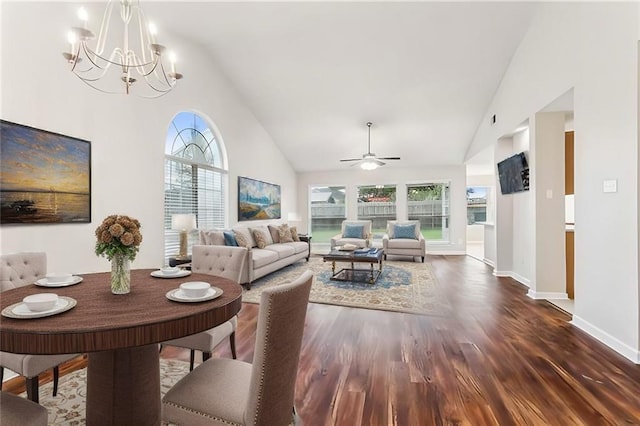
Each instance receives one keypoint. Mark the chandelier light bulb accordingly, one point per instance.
(83, 15)
(153, 30)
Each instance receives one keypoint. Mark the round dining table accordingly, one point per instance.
(120, 334)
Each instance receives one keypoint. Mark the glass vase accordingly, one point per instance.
(120, 275)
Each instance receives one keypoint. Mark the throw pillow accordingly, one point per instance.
(246, 233)
(260, 238)
(405, 231)
(242, 240)
(212, 238)
(275, 234)
(229, 239)
(285, 233)
(294, 233)
(353, 231)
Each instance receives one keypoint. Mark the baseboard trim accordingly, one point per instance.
(447, 252)
(510, 274)
(538, 295)
(622, 348)
(489, 262)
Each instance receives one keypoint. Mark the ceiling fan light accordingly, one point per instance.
(368, 165)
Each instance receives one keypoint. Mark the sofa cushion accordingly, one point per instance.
(230, 239)
(299, 246)
(403, 243)
(283, 249)
(262, 257)
(353, 231)
(405, 231)
(285, 233)
(275, 233)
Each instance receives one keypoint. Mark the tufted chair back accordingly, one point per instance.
(227, 262)
(20, 269)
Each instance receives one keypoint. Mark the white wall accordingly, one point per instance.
(592, 48)
(127, 134)
(400, 177)
(523, 220)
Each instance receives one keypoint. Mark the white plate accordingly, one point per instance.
(180, 274)
(43, 282)
(177, 295)
(20, 310)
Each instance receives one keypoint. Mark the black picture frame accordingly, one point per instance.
(45, 177)
(258, 200)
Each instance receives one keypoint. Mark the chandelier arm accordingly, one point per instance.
(104, 29)
(146, 39)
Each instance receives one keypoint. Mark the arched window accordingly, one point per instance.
(195, 177)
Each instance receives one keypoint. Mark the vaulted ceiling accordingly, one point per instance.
(314, 73)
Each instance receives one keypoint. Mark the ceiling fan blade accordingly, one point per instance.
(352, 159)
(389, 158)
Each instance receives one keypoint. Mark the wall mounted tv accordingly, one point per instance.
(513, 173)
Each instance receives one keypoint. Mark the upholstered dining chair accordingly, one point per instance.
(18, 270)
(17, 411)
(223, 391)
(226, 262)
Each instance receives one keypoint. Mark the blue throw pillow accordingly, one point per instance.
(405, 231)
(230, 239)
(353, 231)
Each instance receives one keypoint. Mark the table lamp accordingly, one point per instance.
(184, 223)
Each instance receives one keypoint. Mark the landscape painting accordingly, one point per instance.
(257, 200)
(44, 177)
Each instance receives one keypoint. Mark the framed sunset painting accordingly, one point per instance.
(45, 177)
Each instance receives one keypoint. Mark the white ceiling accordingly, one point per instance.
(314, 73)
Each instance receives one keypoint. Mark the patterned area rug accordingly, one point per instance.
(68, 407)
(402, 287)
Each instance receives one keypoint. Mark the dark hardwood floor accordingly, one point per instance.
(499, 358)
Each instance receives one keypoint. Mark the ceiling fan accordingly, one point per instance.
(369, 161)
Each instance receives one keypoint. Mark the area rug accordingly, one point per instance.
(68, 407)
(402, 287)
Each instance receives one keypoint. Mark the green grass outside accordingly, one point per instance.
(325, 235)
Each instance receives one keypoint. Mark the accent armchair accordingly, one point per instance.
(404, 239)
(224, 391)
(18, 270)
(355, 232)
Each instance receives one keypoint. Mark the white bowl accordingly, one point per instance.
(195, 289)
(58, 277)
(170, 270)
(41, 301)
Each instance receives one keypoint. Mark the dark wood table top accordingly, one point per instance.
(353, 256)
(103, 321)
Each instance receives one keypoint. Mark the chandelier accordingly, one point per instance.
(141, 72)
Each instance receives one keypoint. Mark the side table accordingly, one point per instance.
(186, 262)
(306, 238)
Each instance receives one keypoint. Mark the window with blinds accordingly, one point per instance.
(195, 178)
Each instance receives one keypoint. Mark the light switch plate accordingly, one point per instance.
(610, 185)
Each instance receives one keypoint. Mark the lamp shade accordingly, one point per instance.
(183, 222)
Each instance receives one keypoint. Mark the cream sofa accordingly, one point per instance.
(404, 241)
(259, 261)
(355, 232)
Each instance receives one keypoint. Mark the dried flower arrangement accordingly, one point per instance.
(118, 235)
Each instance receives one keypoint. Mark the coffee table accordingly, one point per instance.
(369, 276)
